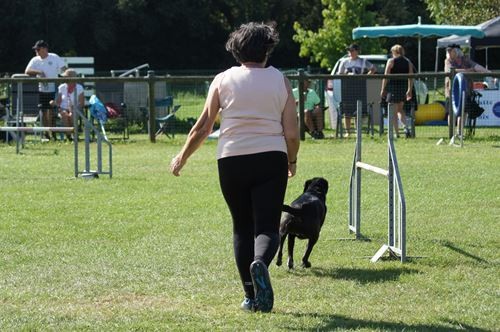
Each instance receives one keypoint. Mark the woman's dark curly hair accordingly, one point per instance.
(252, 42)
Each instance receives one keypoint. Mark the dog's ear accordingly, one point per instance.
(307, 184)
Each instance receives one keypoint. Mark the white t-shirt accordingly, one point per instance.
(252, 102)
(355, 67)
(51, 67)
(68, 99)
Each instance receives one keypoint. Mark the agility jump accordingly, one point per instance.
(88, 128)
(396, 242)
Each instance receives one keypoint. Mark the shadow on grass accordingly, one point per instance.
(363, 276)
(335, 322)
(361, 238)
(451, 246)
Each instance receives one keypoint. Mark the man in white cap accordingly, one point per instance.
(49, 65)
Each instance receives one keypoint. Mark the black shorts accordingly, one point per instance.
(396, 91)
(44, 99)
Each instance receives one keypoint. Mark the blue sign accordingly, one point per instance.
(496, 109)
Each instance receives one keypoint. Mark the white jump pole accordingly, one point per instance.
(396, 207)
(38, 129)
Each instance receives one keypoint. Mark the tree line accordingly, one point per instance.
(326, 44)
(122, 34)
(190, 34)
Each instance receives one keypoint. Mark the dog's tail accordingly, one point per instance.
(293, 211)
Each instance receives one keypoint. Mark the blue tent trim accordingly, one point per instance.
(416, 30)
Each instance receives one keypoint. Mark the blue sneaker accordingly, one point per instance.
(264, 296)
(248, 304)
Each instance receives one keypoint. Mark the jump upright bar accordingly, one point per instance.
(38, 129)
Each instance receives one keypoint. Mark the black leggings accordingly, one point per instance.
(254, 189)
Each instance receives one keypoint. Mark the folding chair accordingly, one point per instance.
(165, 123)
(352, 90)
(119, 114)
(473, 111)
(367, 113)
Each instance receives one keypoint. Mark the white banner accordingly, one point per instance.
(490, 102)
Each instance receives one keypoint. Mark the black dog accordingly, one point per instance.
(304, 219)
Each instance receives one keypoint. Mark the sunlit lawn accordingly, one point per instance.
(148, 251)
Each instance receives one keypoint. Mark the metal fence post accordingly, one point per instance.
(449, 105)
(19, 114)
(302, 127)
(152, 111)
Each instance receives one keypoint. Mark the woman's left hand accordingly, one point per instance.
(292, 169)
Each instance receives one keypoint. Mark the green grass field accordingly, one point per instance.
(149, 251)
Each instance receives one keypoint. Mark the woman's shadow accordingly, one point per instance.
(336, 322)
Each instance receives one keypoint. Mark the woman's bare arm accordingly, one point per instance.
(291, 130)
(200, 131)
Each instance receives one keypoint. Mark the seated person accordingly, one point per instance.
(313, 114)
(66, 96)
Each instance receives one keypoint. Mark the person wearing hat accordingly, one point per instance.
(68, 95)
(455, 59)
(353, 65)
(48, 65)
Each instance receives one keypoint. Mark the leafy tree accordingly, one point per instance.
(328, 44)
(169, 35)
(397, 12)
(465, 12)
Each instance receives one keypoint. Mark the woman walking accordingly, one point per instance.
(256, 153)
(398, 90)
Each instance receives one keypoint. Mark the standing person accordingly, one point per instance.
(397, 91)
(313, 114)
(49, 65)
(455, 59)
(256, 152)
(353, 65)
(65, 100)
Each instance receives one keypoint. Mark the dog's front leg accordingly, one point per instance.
(310, 245)
(291, 243)
(279, 259)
